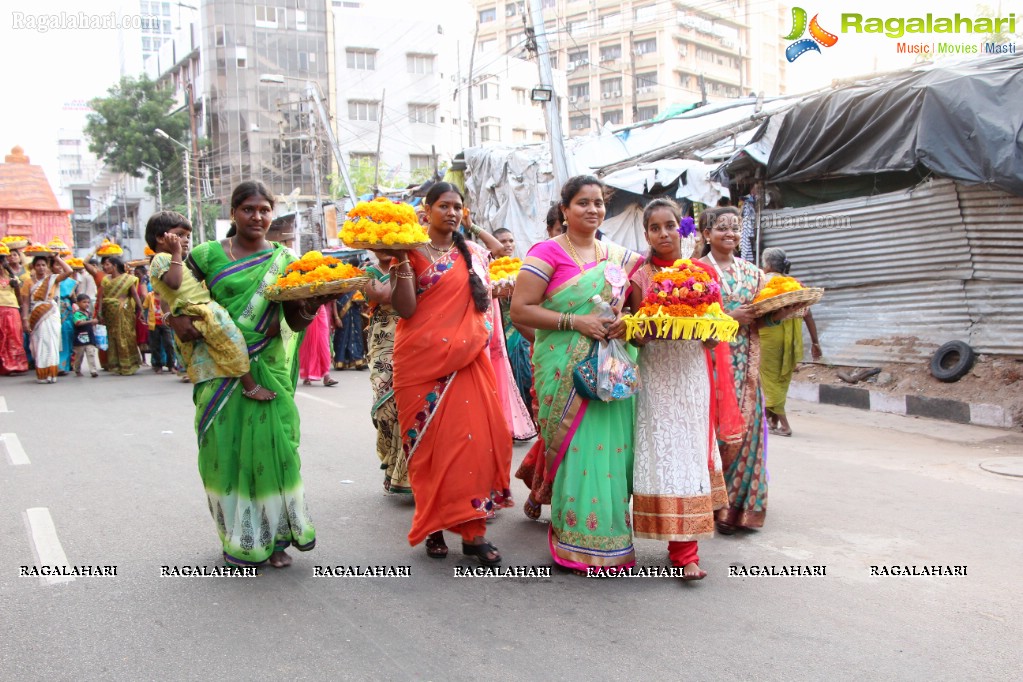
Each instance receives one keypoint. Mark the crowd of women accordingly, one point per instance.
(459, 369)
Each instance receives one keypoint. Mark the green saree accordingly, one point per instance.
(248, 449)
(589, 453)
(119, 316)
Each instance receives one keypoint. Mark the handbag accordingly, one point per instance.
(584, 376)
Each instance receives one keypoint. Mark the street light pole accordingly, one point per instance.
(188, 169)
(159, 185)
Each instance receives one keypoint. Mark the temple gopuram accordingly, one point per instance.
(28, 207)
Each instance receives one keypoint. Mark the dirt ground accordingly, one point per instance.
(994, 380)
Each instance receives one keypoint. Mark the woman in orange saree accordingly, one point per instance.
(454, 435)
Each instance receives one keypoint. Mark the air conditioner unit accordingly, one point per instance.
(605, 95)
(617, 93)
(572, 99)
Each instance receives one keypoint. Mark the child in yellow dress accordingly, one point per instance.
(221, 352)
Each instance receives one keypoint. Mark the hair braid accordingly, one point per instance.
(480, 295)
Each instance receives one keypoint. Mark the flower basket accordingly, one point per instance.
(716, 325)
(15, 243)
(76, 263)
(275, 292)
(383, 224)
(34, 250)
(806, 297)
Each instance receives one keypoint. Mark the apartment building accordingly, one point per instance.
(628, 61)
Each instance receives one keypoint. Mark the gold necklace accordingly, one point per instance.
(230, 248)
(575, 256)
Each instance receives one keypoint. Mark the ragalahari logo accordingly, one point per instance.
(817, 35)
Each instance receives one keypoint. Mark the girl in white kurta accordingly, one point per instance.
(677, 480)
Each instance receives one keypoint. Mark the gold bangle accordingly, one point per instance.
(405, 275)
(177, 262)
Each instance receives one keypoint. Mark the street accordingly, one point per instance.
(112, 461)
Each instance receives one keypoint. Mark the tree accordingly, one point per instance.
(121, 133)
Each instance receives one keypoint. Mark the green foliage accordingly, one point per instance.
(362, 174)
(121, 129)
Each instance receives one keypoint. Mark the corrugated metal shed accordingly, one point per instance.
(908, 271)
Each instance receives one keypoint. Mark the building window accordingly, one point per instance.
(645, 46)
(490, 129)
(241, 55)
(301, 24)
(487, 45)
(645, 82)
(364, 60)
(610, 53)
(420, 162)
(610, 88)
(219, 36)
(268, 17)
(516, 40)
(356, 159)
(645, 113)
(362, 110)
(548, 4)
(579, 57)
(513, 8)
(520, 96)
(147, 45)
(581, 122)
(487, 15)
(422, 113)
(539, 137)
(489, 91)
(518, 134)
(685, 80)
(647, 13)
(578, 27)
(420, 63)
(611, 22)
(614, 117)
(578, 93)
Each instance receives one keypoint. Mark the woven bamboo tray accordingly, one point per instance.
(339, 286)
(17, 244)
(33, 254)
(380, 246)
(807, 297)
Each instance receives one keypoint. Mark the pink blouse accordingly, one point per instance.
(554, 255)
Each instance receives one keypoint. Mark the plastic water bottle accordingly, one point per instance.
(603, 309)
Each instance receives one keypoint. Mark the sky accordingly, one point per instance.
(45, 71)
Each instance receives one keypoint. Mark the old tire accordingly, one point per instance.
(952, 361)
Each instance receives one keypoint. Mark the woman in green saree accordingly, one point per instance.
(248, 449)
(583, 468)
(120, 307)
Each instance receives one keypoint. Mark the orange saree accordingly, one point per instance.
(454, 434)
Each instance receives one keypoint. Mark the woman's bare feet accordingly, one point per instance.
(692, 571)
(259, 393)
(280, 559)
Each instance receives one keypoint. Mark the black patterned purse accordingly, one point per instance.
(584, 376)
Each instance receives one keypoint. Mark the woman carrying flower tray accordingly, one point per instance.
(677, 477)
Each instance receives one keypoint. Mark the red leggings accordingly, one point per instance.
(682, 553)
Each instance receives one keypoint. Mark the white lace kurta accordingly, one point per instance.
(677, 480)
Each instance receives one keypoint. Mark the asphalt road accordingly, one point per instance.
(112, 462)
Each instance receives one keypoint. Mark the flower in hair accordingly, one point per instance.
(687, 227)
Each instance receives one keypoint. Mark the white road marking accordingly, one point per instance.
(46, 544)
(3, 404)
(319, 400)
(15, 452)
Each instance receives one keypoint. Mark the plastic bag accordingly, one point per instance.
(102, 340)
(617, 372)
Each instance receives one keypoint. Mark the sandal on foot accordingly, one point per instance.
(330, 382)
(725, 528)
(532, 509)
(436, 548)
(481, 551)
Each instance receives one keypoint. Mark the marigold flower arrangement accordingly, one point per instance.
(683, 302)
(505, 269)
(778, 284)
(37, 249)
(58, 246)
(148, 252)
(383, 223)
(109, 248)
(315, 268)
(14, 242)
(76, 263)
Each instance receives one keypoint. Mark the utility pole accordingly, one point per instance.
(550, 109)
(632, 70)
(380, 135)
(317, 213)
(195, 154)
(472, 58)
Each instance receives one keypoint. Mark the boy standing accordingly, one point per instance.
(85, 337)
